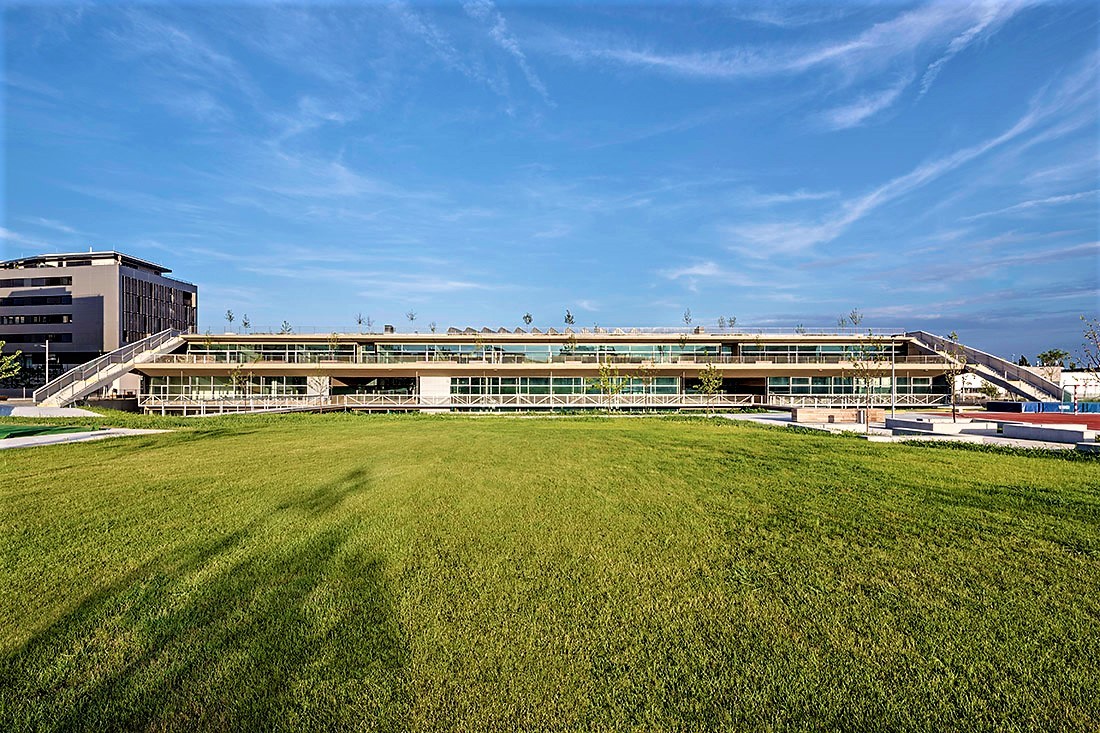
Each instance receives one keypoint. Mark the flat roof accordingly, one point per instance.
(512, 337)
(123, 259)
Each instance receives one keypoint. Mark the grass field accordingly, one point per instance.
(351, 572)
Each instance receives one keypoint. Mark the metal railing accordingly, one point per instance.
(1002, 368)
(565, 360)
(857, 401)
(314, 329)
(118, 356)
(242, 403)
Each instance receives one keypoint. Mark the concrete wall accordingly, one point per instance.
(435, 388)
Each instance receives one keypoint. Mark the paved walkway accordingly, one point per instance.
(34, 441)
(882, 435)
(32, 411)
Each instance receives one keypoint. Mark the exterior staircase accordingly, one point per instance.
(81, 381)
(1016, 379)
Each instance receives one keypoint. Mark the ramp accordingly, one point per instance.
(87, 378)
(1008, 376)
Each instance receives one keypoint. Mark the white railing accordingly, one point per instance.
(1001, 368)
(693, 329)
(242, 403)
(858, 401)
(89, 369)
(617, 359)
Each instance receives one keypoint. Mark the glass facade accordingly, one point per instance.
(819, 352)
(845, 385)
(291, 353)
(556, 385)
(204, 387)
(549, 353)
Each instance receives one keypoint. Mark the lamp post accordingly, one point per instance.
(47, 344)
(894, 381)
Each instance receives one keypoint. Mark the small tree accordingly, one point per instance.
(229, 320)
(710, 382)
(527, 318)
(989, 390)
(9, 364)
(432, 326)
(570, 344)
(732, 322)
(569, 320)
(867, 363)
(800, 330)
(645, 374)
(687, 317)
(956, 367)
(1022, 361)
(1051, 362)
(1090, 350)
(411, 315)
(609, 382)
(286, 328)
(721, 323)
(238, 378)
(245, 323)
(359, 321)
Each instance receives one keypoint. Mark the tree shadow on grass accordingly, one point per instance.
(256, 630)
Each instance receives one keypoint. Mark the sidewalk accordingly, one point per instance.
(37, 440)
(882, 435)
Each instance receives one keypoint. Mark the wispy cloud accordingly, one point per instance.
(51, 224)
(710, 270)
(486, 12)
(9, 236)
(799, 196)
(870, 50)
(761, 240)
(1037, 203)
(187, 56)
(992, 16)
(865, 107)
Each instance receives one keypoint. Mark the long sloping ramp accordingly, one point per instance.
(1018, 380)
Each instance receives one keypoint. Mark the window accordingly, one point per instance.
(36, 318)
(19, 302)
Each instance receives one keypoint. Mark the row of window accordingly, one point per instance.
(34, 282)
(548, 352)
(768, 350)
(36, 318)
(37, 338)
(499, 353)
(557, 385)
(847, 385)
(150, 307)
(202, 387)
(25, 300)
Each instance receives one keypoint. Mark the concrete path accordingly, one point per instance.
(33, 441)
(32, 411)
(882, 435)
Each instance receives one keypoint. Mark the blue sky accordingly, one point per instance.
(933, 165)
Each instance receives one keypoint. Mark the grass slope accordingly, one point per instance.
(353, 572)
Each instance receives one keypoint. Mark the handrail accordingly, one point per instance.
(996, 363)
(519, 359)
(118, 356)
(856, 400)
(221, 402)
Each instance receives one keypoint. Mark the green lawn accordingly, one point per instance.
(353, 572)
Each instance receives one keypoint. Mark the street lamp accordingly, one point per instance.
(47, 344)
